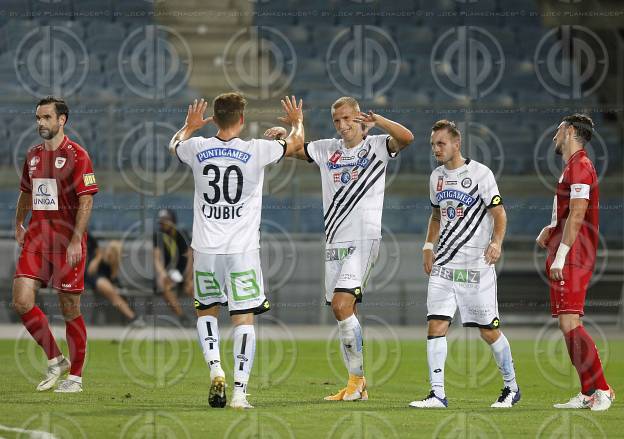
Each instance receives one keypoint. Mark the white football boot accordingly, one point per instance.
(239, 401)
(507, 399)
(54, 372)
(68, 386)
(579, 401)
(602, 400)
(430, 402)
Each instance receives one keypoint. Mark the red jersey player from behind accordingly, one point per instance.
(571, 240)
(57, 186)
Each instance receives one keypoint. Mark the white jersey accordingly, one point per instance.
(228, 190)
(353, 180)
(464, 195)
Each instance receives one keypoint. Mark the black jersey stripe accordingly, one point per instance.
(456, 224)
(470, 235)
(443, 236)
(343, 204)
(362, 191)
(337, 194)
(468, 220)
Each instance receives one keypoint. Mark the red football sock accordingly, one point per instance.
(36, 323)
(76, 333)
(586, 360)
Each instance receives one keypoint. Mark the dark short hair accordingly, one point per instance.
(169, 214)
(60, 106)
(448, 125)
(583, 126)
(228, 108)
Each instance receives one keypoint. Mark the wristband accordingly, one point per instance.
(428, 246)
(560, 258)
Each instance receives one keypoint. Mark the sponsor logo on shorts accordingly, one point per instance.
(66, 285)
(460, 275)
(338, 254)
(242, 358)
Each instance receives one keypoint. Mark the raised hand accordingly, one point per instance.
(276, 133)
(368, 119)
(195, 115)
(293, 112)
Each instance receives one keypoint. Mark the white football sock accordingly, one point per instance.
(502, 355)
(436, 357)
(352, 345)
(208, 334)
(244, 351)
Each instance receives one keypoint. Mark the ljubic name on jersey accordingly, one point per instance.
(226, 186)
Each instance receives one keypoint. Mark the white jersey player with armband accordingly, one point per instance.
(228, 174)
(353, 177)
(468, 222)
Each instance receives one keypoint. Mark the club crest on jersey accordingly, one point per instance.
(452, 212)
(34, 161)
(230, 153)
(440, 183)
(345, 176)
(59, 162)
(453, 194)
(466, 182)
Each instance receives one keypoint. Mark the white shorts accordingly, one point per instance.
(472, 290)
(348, 266)
(233, 280)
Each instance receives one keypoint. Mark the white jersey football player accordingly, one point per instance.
(228, 174)
(353, 177)
(468, 222)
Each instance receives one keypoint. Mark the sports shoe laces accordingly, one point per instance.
(505, 393)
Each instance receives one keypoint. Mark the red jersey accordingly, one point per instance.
(55, 180)
(579, 180)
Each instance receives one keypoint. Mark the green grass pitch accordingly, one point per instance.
(159, 389)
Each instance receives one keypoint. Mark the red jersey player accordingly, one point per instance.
(57, 186)
(571, 240)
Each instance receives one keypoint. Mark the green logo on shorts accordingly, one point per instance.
(206, 285)
(244, 285)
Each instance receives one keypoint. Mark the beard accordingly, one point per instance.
(48, 133)
(558, 149)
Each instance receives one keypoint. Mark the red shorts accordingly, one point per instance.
(52, 268)
(568, 296)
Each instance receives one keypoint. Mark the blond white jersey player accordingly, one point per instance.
(228, 174)
(468, 222)
(353, 176)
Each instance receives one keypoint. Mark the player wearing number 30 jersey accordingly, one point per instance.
(468, 222)
(228, 174)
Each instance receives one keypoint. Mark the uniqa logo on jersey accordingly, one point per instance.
(45, 194)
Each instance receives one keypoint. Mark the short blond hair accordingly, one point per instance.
(449, 126)
(346, 100)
